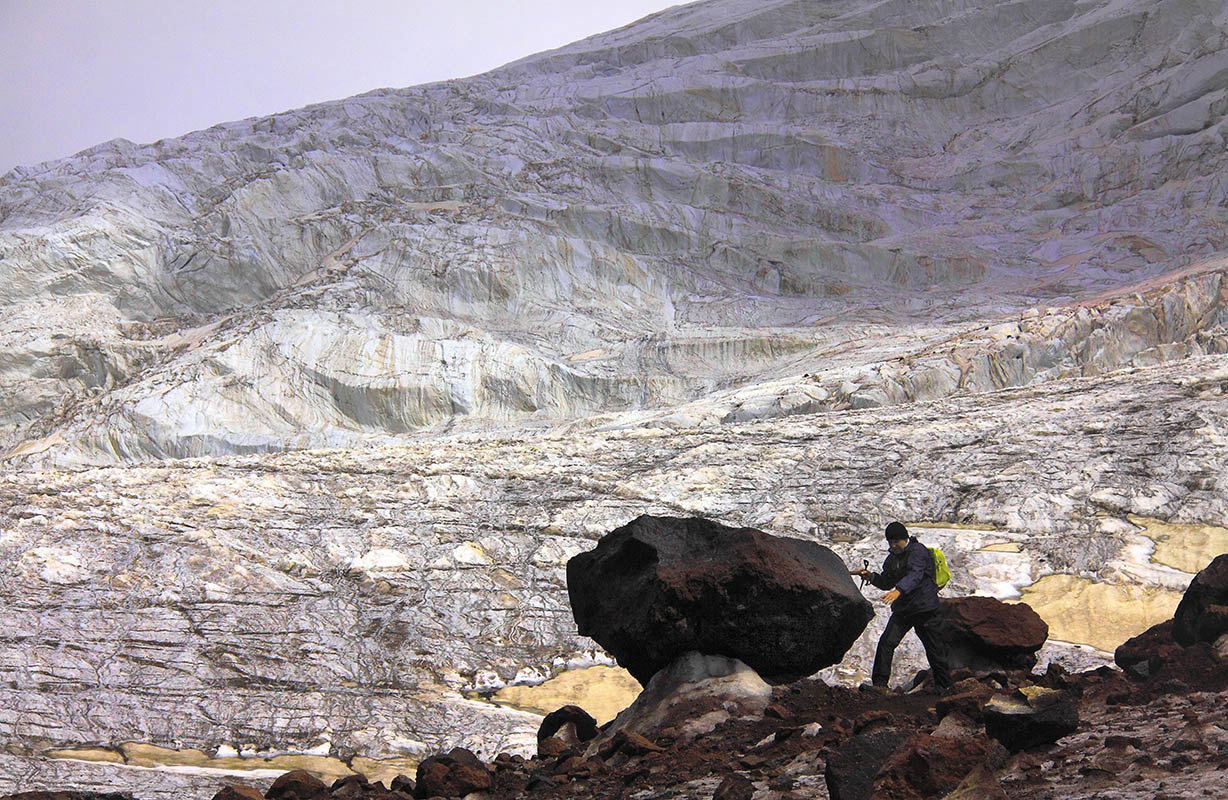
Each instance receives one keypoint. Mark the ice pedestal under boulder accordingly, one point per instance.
(689, 698)
(660, 587)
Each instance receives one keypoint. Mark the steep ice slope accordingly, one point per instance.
(724, 194)
(783, 264)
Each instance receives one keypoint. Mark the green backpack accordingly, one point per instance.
(941, 574)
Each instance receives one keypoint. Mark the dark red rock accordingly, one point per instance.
(1196, 618)
(630, 744)
(551, 747)
(852, 769)
(1213, 624)
(348, 787)
(777, 711)
(402, 784)
(985, 634)
(357, 779)
(660, 587)
(509, 761)
(238, 793)
(926, 766)
(296, 785)
(734, 787)
(970, 703)
(583, 722)
(579, 767)
(874, 720)
(454, 774)
(1142, 656)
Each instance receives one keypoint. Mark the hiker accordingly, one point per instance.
(908, 572)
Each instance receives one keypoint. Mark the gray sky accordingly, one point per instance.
(74, 73)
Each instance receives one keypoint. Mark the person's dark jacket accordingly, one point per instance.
(912, 572)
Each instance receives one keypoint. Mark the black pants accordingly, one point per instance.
(927, 631)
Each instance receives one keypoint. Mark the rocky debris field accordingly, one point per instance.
(1165, 736)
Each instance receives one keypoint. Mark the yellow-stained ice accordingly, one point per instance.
(1102, 615)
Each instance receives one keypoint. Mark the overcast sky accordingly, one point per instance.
(74, 73)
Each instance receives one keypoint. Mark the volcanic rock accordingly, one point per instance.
(969, 701)
(454, 774)
(929, 765)
(296, 785)
(238, 793)
(851, 771)
(659, 587)
(580, 767)
(627, 743)
(979, 784)
(552, 747)
(734, 787)
(986, 634)
(1142, 656)
(1031, 716)
(690, 697)
(349, 787)
(1202, 614)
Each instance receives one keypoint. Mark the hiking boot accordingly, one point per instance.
(873, 688)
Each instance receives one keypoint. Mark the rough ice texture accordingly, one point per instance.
(775, 263)
(731, 210)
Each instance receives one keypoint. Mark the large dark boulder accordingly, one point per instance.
(1142, 656)
(237, 792)
(455, 774)
(1202, 614)
(660, 587)
(852, 769)
(930, 765)
(296, 785)
(986, 634)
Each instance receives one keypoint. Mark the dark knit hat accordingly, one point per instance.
(896, 531)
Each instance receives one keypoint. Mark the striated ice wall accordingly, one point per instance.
(720, 196)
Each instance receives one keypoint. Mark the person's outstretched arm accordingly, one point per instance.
(876, 578)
